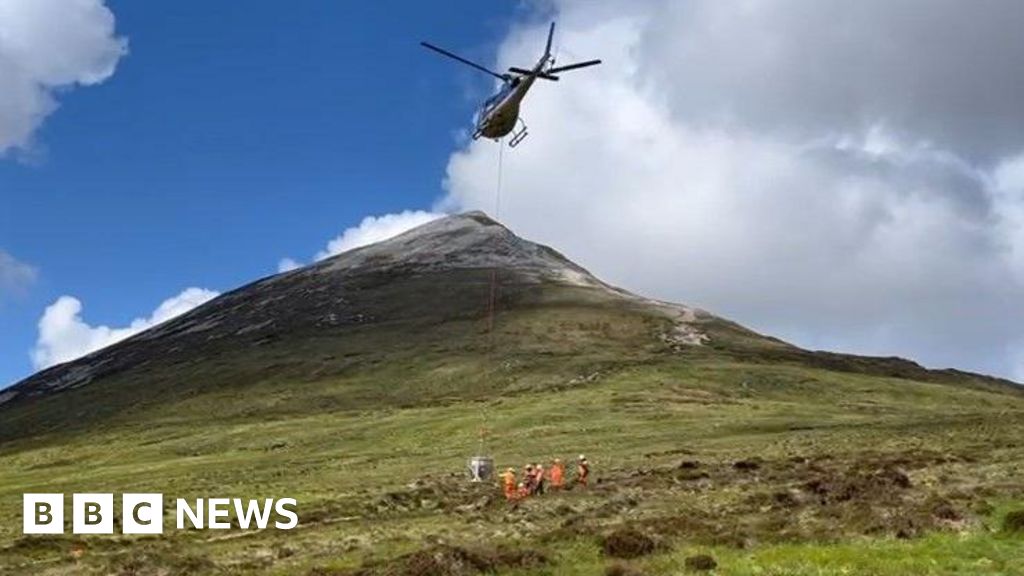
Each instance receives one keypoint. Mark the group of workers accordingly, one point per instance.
(536, 480)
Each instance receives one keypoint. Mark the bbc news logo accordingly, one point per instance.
(144, 513)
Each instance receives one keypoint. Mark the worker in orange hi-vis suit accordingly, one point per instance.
(557, 474)
(508, 479)
(522, 492)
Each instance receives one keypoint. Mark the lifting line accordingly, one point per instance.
(491, 305)
(497, 194)
(492, 300)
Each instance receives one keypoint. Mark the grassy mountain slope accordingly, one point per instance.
(360, 385)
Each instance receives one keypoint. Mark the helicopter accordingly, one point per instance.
(499, 114)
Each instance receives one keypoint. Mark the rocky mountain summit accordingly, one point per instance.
(435, 272)
(406, 317)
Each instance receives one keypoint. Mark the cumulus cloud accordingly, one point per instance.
(375, 229)
(47, 46)
(65, 336)
(287, 265)
(936, 70)
(372, 229)
(843, 175)
(14, 274)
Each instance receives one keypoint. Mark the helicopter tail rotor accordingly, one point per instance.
(513, 73)
(551, 35)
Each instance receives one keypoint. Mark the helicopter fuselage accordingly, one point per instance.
(499, 115)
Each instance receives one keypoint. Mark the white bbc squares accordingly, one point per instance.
(142, 513)
(43, 513)
(92, 514)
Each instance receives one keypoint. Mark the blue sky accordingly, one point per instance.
(231, 135)
(860, 192)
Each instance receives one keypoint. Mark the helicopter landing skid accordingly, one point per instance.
(518, 133)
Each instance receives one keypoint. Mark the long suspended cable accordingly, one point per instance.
(491, 303)
(492, 299)
(497, 193)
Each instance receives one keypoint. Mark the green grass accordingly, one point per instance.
(933, 555)
(393, 406)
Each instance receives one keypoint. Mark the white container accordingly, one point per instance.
(481, 468)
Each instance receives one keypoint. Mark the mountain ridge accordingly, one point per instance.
(389, 283)
(466, 241)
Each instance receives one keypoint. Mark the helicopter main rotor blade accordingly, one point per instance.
(464, 61)
(573, 66)
(526, 72)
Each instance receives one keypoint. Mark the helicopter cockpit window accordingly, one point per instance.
(490, 103)
(496, 98)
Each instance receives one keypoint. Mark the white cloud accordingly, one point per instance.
(1008, 202)
(375, 229)
(14, 274)
(1016, 352)
(372, 229)
(47, 46)
(770, 161)
(65, 336)
(287, 265)
(939, 70)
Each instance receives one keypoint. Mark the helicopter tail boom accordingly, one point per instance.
(551, 35)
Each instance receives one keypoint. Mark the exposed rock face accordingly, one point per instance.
(432, 273)
(465, 241)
